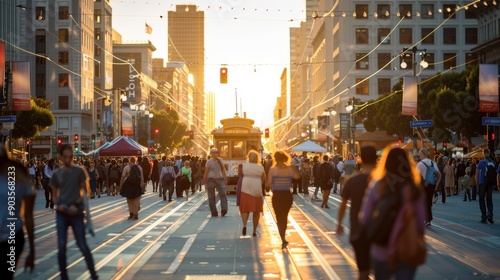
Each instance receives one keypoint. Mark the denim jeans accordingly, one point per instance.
(485, 200)
(401, 271)
(212, 185)
(76, 223)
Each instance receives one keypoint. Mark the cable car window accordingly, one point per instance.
(223, 147)
(238, 149)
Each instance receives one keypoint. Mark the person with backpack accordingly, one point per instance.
(114, 174)
(184, 179)
(391, 216)
(429, 171)
(325, 173)
(131, 187)
(305, 173)
(336, 173)
(486, 179)
(167, 179)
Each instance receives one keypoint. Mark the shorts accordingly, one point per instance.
(362, 252)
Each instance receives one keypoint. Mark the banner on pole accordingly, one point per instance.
(410, 96)
(127, 124)
(21, 86)
(3, 95)
(322, 128)
(488, 88)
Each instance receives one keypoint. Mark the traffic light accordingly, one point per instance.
(445, 146)
(157, 131)
(150, 149)
(28, 142)
(191, 134)
(399, 141)
(59, 142)
(76, 137)
(223, 75)
(266, 133)
(93, 138)
(491, 140)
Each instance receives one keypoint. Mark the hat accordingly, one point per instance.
(445, 158)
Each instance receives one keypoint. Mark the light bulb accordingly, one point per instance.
(424, 64)
(404, 65)
(375, 14)
(187, 9)
(398, 14)
(448, 9)
(343, 14)
(440, 10)
(408, 14)
(485, 3)
(365, 14)
(494, 2)
(354, 14)
(475, 5)
(429, 13)
(418, 14)
(387, 13)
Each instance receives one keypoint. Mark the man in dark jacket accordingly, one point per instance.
(325, 174)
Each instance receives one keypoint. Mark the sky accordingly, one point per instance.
(250, 36)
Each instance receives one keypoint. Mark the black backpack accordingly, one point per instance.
(167, 178)
(134, 177)
(491, 173)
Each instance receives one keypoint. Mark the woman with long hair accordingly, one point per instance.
(251, 191)
(396, 174)
(279, 179)
(155, 175)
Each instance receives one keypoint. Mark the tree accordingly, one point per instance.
(171, 132)
(29, 124)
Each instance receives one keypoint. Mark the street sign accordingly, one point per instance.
(345, 126)
(424, 123)
(491, 121)
(8, 125)
(151, 142)
(8, 119)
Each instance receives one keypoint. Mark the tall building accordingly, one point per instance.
(300, 68)
(133, 73)
(9, 28)
(280, 111)
(210, 111)
(186, 35)
(63, 31)
(355, 28)
(103, 69)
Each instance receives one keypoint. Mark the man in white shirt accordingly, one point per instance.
(430, 188)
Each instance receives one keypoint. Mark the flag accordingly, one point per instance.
(488, 88)
(149, 29)
(410, 96)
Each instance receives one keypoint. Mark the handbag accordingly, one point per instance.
(410, 244)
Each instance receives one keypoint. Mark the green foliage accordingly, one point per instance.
(172, 133)
(30, 123)
(450, 100)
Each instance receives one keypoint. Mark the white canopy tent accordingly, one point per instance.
(309, 146)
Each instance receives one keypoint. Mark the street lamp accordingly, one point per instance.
(350, 108)
(329, 112)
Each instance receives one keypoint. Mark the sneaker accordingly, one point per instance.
(223, 213)
(215, 215)
(483, 221)
(491, 220)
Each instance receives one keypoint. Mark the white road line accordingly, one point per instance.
(314, 250)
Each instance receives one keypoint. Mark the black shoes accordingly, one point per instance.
(223, 212)
(165, 198)
(244, 231)
(483, 221)
(254, 234)
(47, 204)
(491, 220)
(215, 214)
(284, 245)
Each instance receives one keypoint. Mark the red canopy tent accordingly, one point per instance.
(123, 146)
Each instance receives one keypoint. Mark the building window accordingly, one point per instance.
(470, 14)
(40, 13)
(384, 59)
(63, 12)
(97, 33)
(405, 10)
(361, 11)
(40, 85)
(383, 36)
(426, 38)
(384, 86)
(63, 79)
(471, 36)
(449, 11)
(363, 87)
(449, 36)
(429, 57)
(427, 11)
(406, 36)
(97, 16)
(97, 50)
(449, 60)
(384, 11)
(362, 61)
(63, 35)
(97, 70)
(63, 102)
(64, 58)
(63, 123)
(362, 36)
(470, 58)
